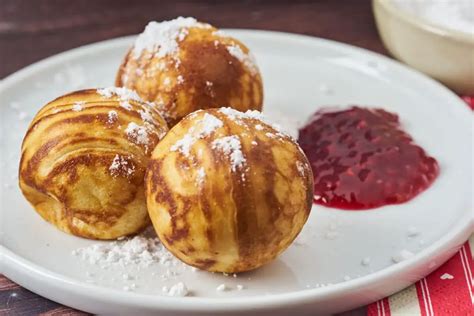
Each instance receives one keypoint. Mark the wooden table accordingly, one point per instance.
(32, 30)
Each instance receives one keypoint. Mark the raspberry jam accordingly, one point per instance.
(361, 159)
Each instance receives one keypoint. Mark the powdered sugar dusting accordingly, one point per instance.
(77, 106)
(234, 114)
(138, 250)
(222, 288)
(121, 165)
(301, 168)
(112, 117)
(130, 255)
(184, 144)
(126, 105)
(201, 174)
(247, 59)
(231, 146)
(209, 124)
(205, 127)
(365, 261)
(255, 115)
(123, 94)
(161, 38)
(137, 133)
(146, 116)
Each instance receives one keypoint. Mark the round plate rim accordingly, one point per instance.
(449, 243)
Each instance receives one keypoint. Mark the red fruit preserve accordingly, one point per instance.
(362, 159)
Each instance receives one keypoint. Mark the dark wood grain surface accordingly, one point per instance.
(31, 30)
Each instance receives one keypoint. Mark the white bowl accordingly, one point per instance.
(444, 54)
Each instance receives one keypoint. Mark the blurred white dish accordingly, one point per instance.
(440, 52)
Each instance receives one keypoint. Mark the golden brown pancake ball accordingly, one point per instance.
(226, 191)
(183, 65)
(83, 161)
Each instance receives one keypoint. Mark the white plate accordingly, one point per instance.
(298, 71)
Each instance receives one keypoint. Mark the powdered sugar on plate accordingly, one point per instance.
(161, 38)
(365, 261)
(402, 256)
(133, 254)
(222, 288)
(140, 250)
(178, 290)
(413, 231)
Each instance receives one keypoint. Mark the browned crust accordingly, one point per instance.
(64, 168)
(265, 219)
(203, 59)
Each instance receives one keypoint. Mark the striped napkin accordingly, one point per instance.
(446, 291)
(469, 101)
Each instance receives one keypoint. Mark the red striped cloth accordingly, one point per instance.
(445, 292)
(469, 101)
